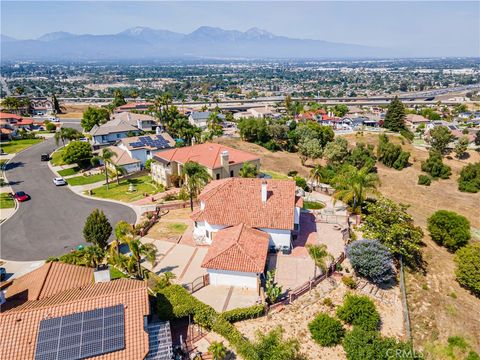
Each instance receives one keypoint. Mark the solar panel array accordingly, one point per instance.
(156, 141)
(81, 335)
(159, 341)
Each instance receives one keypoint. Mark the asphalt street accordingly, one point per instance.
(51, 222)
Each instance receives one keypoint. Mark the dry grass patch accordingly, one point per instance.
(172, 224)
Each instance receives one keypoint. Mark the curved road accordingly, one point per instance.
(51, 222)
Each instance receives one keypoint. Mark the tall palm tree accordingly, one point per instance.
(67, 134)
(218, 350)
(119, 170)
(355, 185)
(196, 177)
(138, 249)
(316, 174)
(106, 157)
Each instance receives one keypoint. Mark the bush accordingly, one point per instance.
(391, 155)
(292, 173)
(407, 134)
(301, 182)
(424, 180)
(326, 330)
(372, 260)
(468, 270)
(349, 282)
(469, 180)
(449, 229)
(51, 127)
(435, 167)
(245, 313)
(359, 311)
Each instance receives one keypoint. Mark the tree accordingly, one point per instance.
(196, 177)
(138, 249)
(336, 152)
(372, 260)
(94, 116)
(326, 331)
(449, 229)
(440, 137)
(78, 152)
(57, 109)
(272, 289)
(390, 224)
(11, 103)
(119, 171)
(248, 170)
(395, 116)
(391, 155)
(309, 149)
(51, 127)
(66, 133)
(354, 185)
(254, 130)
(218, 350)
(319, 254)
(214, 124)
(477, 138)
(468, 269)
(272, 346)
(359, 311)
(340, 110)
(469, 180)
(362, 156)
(118, 99)
(148, 164)
(435, 166)
(461, 147)
(97, 229)
(106, 157)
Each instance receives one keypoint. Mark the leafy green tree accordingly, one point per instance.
(106, 156)
(326, 331)
(218, 350)
(449, 229)
(196, 177)
(359, 311)
(51, 127)
(118, 99)
(354, 185)
(439, 138)
(362, 156)
(272, 346)
(94, 116)
(461, 147)
(372, 260)
(336, 152)
(390, 223)
(11, 103)
(248, 170)
(395, 116)
(97, 229)
(469, 180)
(66, 133)
(272, 289)
(435, 166)
(391, 155)
(468, 269)
(340, 110)
(214, 124)
(254, 130)
(309, 149)
(78, 152)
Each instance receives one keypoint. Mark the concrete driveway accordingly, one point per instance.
(51, 222)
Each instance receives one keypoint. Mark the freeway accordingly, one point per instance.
(51, 222)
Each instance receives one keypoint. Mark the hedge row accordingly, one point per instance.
(245, 313)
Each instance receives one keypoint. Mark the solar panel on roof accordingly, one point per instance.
(81, 335)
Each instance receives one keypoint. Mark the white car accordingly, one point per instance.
(59, 181)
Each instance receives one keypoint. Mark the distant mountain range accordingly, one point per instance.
(206, 42)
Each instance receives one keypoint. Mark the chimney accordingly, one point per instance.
(224, 159)
(264, 191)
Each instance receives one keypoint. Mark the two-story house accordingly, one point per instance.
(200, 118)
(220, 161)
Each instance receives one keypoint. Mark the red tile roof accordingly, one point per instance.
(134, 105)
(207, 154)
(9, 116)
(238, 200)
(19, 326)
(238, 248)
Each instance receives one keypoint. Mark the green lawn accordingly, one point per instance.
(15, 146)
(143, 184)
(56, 158)
(116, 274)
(69, 171)
(276, 175)
(6, 202)
(84, 180)
(313, 205)
(178, 228)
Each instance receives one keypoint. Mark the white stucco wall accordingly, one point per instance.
(203, 226)
(278, 238)
(232, 278)
(297, 215)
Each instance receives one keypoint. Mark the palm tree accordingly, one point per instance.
(196, 177)
(248, 170)
(119, 170)
(316, 174)
(138, 249)
(355, 185)
(218, 350)
(93, 255)
(67, 134)
(106, 157)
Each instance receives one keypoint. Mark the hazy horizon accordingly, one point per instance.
(411, 28)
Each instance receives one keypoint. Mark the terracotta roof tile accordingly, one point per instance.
(9, 116)
(238, 248)
(238, 200)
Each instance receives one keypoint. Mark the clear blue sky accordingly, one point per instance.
(436, 28)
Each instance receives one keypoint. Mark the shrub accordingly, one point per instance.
(349, 281)
(359, 311)
(469, 180)
(407, 134)
(245, 313)
(301, 182)
(424, 180)
(449, 229)
(391, 155)
(328, 302)
(435, 167)
(292, 173)
(326, 330)
(468, 270)
(372, 260)
(50, 127)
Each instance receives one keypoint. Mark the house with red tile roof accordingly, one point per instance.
(134, 106)
(220, 161)
(58, 312)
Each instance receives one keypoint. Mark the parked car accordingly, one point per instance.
(44, 157)
(3, 274)
(59, 181)
(21, 196)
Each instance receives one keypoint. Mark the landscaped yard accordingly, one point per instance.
(84, 180)
(69, 171)
(15, 146)
(56, 158)
(313, 205)
(6, 202)
(172, 224)
(143, 185)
